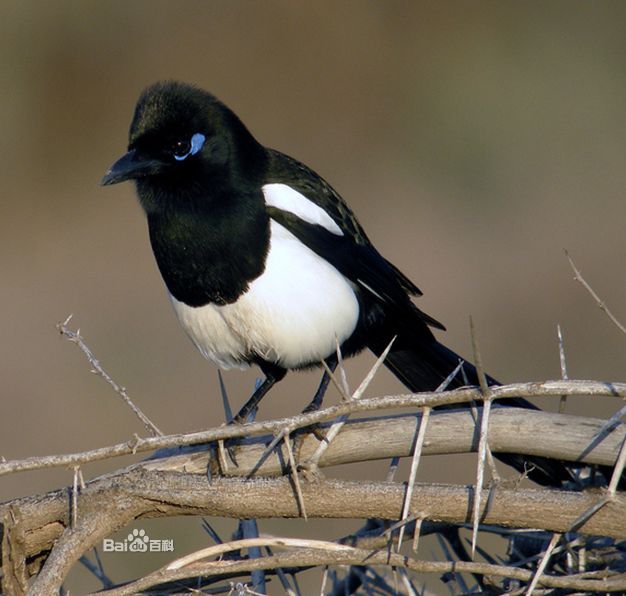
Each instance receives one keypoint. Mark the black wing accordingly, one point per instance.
(286, 170)
(362, 264)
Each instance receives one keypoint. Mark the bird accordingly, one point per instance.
(265, 264)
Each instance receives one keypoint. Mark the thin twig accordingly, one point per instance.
(296, 585)
(324, 580)
(399, 524)
(522, 562)
(372, 372)
(611, 491)
(417, 452)
(613, 421)
(543, 563)
(97, 570)
(278, 437)
(336, 382)
(410, 590)
(492, 466)
(81, 480)
(221, 456)
(337, 426)
(393, 468)
(250, 529)
(76, 338)
(75, 496)
(562, 354)
(220, 549)
(578, 277)
(342, 368)
(478, 361)
(618, 470)
(295, 476)
(416, 533)
(449, 557)
(608, 427)
(208, 528)
(446, 382)
(563, 401)
(484, 431)
(586, 515)
(282, 577)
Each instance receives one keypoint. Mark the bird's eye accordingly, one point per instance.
(182, 149)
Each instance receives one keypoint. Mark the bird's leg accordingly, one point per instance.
(316, 402)
(273, 374)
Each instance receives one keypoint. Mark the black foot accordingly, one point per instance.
(316, 402)
(273, 374)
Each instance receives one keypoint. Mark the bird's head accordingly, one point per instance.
(184, 140)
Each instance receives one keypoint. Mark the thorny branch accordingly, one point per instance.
(76, 338)
(353, 556)
(555, 389)
(112, 501)
(579, 278)
(483, 445)
(157, 487)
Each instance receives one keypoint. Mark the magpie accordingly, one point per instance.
(265, 264)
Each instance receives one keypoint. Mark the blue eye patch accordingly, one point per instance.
(197, 141)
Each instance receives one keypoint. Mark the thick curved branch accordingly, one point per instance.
(513, 430)
(140, 493)
(415, 400)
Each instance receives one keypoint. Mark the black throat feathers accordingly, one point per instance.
(209, 249)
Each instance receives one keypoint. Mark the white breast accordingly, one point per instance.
(291, 315)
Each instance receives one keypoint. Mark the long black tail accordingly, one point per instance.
(424, 364)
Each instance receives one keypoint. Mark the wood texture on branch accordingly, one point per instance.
(109, 503)
(557, 389)
(513, 430)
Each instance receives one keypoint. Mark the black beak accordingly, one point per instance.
(130, 166)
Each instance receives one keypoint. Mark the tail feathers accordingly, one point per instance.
(424, 367)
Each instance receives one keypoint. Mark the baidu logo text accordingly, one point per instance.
(137, 541)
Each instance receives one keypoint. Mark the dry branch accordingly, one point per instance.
(113, 501)
(356, 556)
(76, 338)
(414, 400)
(514, 430)
(579, 278)
(73, 521)
(177, 485)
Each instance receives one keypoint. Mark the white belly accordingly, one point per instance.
(291, 315)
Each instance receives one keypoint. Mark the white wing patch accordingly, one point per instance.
(284, 197)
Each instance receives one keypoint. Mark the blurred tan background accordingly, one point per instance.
(474, 142)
